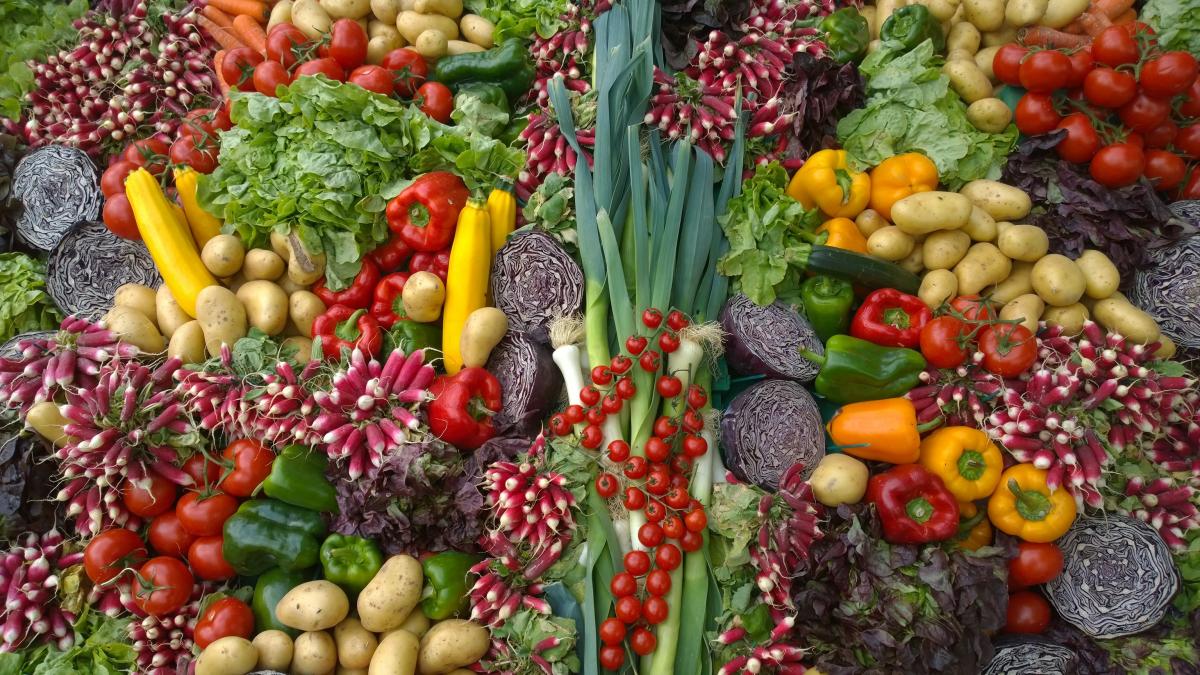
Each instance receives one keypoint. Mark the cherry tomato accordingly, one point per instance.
(973, 308)
(628, 609)
(665, 427)
(655, 610)
(112, 181)
(203, 516)
(150, 153)
(596, 416)
(635, 499)
(1008, 349)
(409, 70)
(1006, 64)
(669, 386)
(650, 534)
(695, 521)
(436, 100)
(620, 364)
(612, 631)
(658, 480)
(203, 471)
(1162, 135)
(668, 342)
(111, 552)
(1035, 564)
(1045, 71)
(149, 498)
(269, 76)
(1164, 169)
(1082, 63)
(672, 527)
(1028, 612)
(198, 152)
(1144, 112)
(1036, 114)
(606, 485)
(326, 66)
(642, 642)
(696, 397)
(943, 343)
(1192, 189)
(251, 462)
(626, 389)
(1108, 88)
(167, 536)
(1187, 140)
(221, 121)
(691, 541)
(637, 563)
(199, 122)
(224, 617)
(656, 449)
(162, 585)
(559, 426)
(612, 657)
(347, 44)
(592, 437)
(1081, 142)
(1114, 46)
(207, 561)
(284, 41)
(649, 361)
(634, 344)
(618, 451)
(623, 584)
(658, 582)
(238, 66)
(651, 318)
(668, 556)
(118, 217)
(373, 78)
(1117, 165)
(1168, 75)
(1191, 103)
(677, 320)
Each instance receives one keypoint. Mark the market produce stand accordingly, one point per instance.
(390, 337)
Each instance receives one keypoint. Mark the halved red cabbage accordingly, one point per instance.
(530, 383)
(58, 187)
(88, 265)
(534, 281)
(1031, 655)
(769, 427)
(767, 340)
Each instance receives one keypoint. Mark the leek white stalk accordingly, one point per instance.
(567, 359)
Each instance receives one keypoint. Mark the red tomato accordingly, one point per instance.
(198, 152)
(327, 67)
(154, 497)
(1114, 46)
(1144, 113)
(642, 642)
(409, 70)
(111, 552)
(1187, 140)
(612, 631)
(167, 536)
(655, 610)
(973, 308)
(658, 582)
(1028, 612)
(1082, 63)
(612, 656)
(1170, 74)
(1192, 189)
(1006, 64)
(1081, 141)
(112, 181)
(1035, 564)
(221, 120)
(1036, 114)
(269, 76)
(1045, 71)
(150, 153)
(1191, 104)
(1108, 88)
(203, 516)
(238, 66)
(628, 609)
(373, 78)
(203, 471)
(436, 100)
(251, 463)
(347, 44)
(162, 586)
(1162, 135)
(1008, 349)
(1164, 169)
(1117, 165)
(623, 584)
(223, 618)
(943, 342)
(207, 561)
(199, 122)
(118, 217)
(283, 43)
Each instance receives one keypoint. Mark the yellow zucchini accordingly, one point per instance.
(202, 223)
(466, 279)
(502, 208)
(170, 246)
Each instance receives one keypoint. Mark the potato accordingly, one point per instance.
(396, 654)
(980, 226)
(47, 420)
(280, 13)
(377, 28)
(261, 263)
(378, 47)
(989, 114)
(274, 650)
(839, 479)
(303, 347)
(314, 653)
(1027, 243)
(1166, 347)
(477, 30)
(967, 80)
(431, 44)
(924, 212)
(187, 344)
(868, 12)
(346, 9)
(1070, 318)
(303, 267)
(223, 255)
(133, 327)
(943, 249)
(483, 330)
(1100, 274)
(1059, 13)
(423, 296)
(1019, 13)
(411, 24)
(986, 15)
(342, 670)
(456, 47)
(137, 297)
(937, 287)
(1018, 283)
(982, 266)
(984, 58)
(1058, 280)
(355, 644)
(170, 314)
(451, 644)
(281, 245)
(1119, 315)
(450, 8)
(311, 18)
(1002, 202)
(304, 307)
(1001, 37)
(230, 655)
(396, 588)
(913, 262)
(266, 305)
(1026, 308)
(941, 10)
(416, 623)
(313, 606)
(869, 221)
(963, 36)
(386, 10)
(222, 318)
(889, 243)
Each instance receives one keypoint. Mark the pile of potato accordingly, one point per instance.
(389, 635)
(432, 27)
(972, 242)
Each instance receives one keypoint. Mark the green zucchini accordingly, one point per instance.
(861, 269)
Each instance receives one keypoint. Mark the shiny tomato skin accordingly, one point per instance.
(326, 66)
(1035, 564)
(198, 152)
(224, 617)
(1191, 190)
(167, 536)
(111, 552)
(1114, 46)
(199, 122)
(409, 70)
(269, 76)
(1036, 114)
(1187, 141)
(153, 499)
(251, 464)
(373, 78)
(118, 217)
(940, 342)
(1006, 64)
(1082, 63)
(1028, 612)
(207, 561)
(112, 181)
(1108, 88)
(436, 100)
(148, 153)
(1162, 135)
(1081, 142)
(1164, 169)
(1168, 75)
(283, 41)
(162, 586)
(1008, 349)
(1117, 165)
(1144, 113)
(238, 66)
(1045, 71)
(203, 471)
(1191, 102)
(973, 308)
(203, 515)
(347, 44)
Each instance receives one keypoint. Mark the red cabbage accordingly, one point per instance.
(89, 264)
(534, 281)
(529, 381)
(58, 187)
(1031, 655)
(767, 340)
(1168, 288)
(769, 427)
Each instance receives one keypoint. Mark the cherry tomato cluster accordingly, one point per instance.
(1129, 108)
(970, 323)
(1035, 564)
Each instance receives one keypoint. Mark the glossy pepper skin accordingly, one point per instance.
(910, 26)
(411, 336)
(437, 262)
(298, 478)
(358, 294)
(340, 327)
(1024, 506)
(965, 459)
(270, 588)
(974, 530)
(827, 302)
(508, 66)
(844, 234)
(266, 533)
(855, 370)
(463, 405)
(387, 306)
(846, 34)
(350, 562)
(880, 431)
(914, 506)
(826, 182)
(898, 177)
(890, 318)
(391, 256)
(448, 573)
(425, 214)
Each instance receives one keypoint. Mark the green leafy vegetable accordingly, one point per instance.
(30, 29)
(521, 19)
(910, 107)
(1176, 23)
(102, 647)
(551, 209)
(24, 304)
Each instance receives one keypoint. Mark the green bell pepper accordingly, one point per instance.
(846, 34)
(298, 478)
(266, 533)
(827, 302)
(412, 335)
(509, 66)
(350, 562)
(447, 573)
(270, 588)
(855, 370)
(910, 26)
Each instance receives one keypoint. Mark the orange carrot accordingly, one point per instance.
(217, 16)
(1110, 8)
(257, 10)
(1094, 22)
(217, 59)
(1041, 36)
(1128, 17)
(225, 38)
(250, 32)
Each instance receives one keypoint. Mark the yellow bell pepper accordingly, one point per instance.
(898, 177)
(1024, 506)
(843, 233)
(826, 182)
(466, 279)
(974, 530)
(965, 459)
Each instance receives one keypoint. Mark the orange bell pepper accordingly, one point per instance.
(843, 233)
(898, 177)
(826, 182)
(883, 431)
(974, 530)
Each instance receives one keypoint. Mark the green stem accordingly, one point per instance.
(596, 326)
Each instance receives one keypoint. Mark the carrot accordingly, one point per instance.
(225, 38)
(217, 59)
(257, 10)
(246, 28)
(217, 16)
(1110, 8)
(1042, 36)
(1094, 23)
(1128, 17)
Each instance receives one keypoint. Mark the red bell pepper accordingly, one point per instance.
(425, 214)
(358, 294)
(388, 308)
(914, 505)
(890, 318)
(437, 263)
(341, 327)
(462, 408)
(391, 256)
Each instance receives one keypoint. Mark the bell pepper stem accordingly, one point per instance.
(971, 465)
(348, 329)
(816, 358)
(965, 527)
(1030, 505)
(919, 510)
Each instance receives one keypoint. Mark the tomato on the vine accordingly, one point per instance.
(628, 609)
(284, 41)
(1036, 114)
(669, 386)
(973, 308)
(612, 631)
(1008, 349)
(1118, 165)
(652, 318)
(696, 396)
(635, 499)
(606, 485)
(207, 560)
(637, 563)
(650, 534)
(347, 44)
(251, 462)
(119, 219)
(199, 122)
(203, 515)
(694, 446)
(373, 78)
(626, 390)
(1028, 612)
(618, 451)
(238, 66)
(612, 656)
(148, 153)
(1035, 564)
(1045, 71)
(1144, 112)
(691, 541)
(409, 70)
(696, 520)
(1082, 63)
(1114, 46)
(642, 642)
(1187, 140)
(655, 610)
(112, 181)
(636, 467)
(672, 527)
(942, 342)
(656, 449)
(677, 320)
(1191, 190)
(1108, 88)
(198, 152)
(1164, 169)
(111, 552)
(1168, 75)
(167, 536)
(1081, 142)
(1006, 64)
(224, 617)
(1191, 102)
(269, 76)
(658, 582)
(1162, 135)
(323, 66)
(162, 585)
(150, 497)
(668, 556)
(623, 584)
(436, 100)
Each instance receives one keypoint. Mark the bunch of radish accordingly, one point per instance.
(29, 577)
